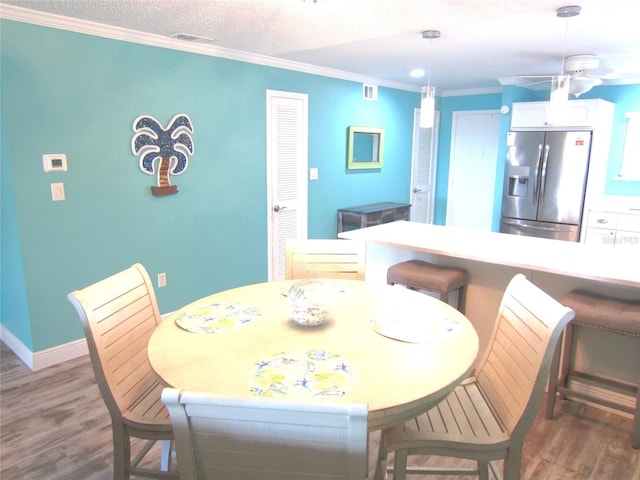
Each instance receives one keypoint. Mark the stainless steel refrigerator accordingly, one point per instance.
(545, 180)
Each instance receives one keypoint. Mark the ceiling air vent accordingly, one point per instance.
(192, 38)
(370, 92)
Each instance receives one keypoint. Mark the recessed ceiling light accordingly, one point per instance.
(417, 73)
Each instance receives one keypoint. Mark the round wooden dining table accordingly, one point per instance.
(397, 350)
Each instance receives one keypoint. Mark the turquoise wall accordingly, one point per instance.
(12, 284)
(65, 92)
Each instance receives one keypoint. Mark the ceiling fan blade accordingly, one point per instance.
(542, 80)
(541, 75)
(601, 71)
(594, 74)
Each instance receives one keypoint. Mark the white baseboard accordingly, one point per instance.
(19, 348)
(50, 356)
(43, 358)
(61, 353)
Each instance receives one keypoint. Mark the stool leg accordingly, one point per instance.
(444, 296)
(462, 298)
(567, 347)
(553, 381)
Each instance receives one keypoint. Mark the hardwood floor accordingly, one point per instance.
(54, 426)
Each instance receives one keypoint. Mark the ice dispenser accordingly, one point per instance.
(518, 186)
(518, 181)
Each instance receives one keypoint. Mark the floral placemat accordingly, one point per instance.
(216, 317)
(308, 375)
(415, 328)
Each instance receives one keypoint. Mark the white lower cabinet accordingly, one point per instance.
(601, 236)
(631, 239)
(628, 231)
(614, 229)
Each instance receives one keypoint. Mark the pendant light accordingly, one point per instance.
(428, 99)
(559, 95)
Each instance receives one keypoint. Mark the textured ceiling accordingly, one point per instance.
(481, 40)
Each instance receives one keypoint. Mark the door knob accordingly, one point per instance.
(277, 208)
(416, 190)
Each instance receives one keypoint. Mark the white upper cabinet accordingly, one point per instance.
(579, 114)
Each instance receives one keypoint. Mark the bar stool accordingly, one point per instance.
(420, 275)
(611, 315)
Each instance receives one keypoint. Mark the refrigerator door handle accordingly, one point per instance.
(543, 180)
(535, 178)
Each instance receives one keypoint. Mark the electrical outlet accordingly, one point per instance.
(162, 280)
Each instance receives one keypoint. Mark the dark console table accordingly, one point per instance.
(371, 214)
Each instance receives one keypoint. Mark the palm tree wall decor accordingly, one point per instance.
(170, 148)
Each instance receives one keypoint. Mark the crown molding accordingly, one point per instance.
(44, 19)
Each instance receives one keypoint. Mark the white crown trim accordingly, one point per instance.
(44, 19)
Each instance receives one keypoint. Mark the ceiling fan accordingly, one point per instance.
(584, 71)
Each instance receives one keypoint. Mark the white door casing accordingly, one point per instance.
(424, 160)
(287, 161)
(472, 169)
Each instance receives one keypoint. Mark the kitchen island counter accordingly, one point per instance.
(492, 259)
(620, 266)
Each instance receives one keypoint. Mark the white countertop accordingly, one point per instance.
(619, 266)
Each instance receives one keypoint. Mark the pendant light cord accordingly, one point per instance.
(567, 13)
(429, 61)
(430, 35)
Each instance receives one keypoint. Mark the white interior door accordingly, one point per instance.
(287, 162)
(472, 169)
(423, 169)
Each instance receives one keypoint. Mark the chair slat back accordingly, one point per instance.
(266, 439)
(325, 258)
(514, 371)
(118, 315)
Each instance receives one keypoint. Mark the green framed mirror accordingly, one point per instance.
(365, 147)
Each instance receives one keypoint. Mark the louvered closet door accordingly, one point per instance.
(423, 170)
(286, 174)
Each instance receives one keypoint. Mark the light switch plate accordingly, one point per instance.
(313, 173)
(57, 192)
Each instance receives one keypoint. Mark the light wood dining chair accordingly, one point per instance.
(260, 439)
(488, 416)
(325, 258)
(118, 315)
